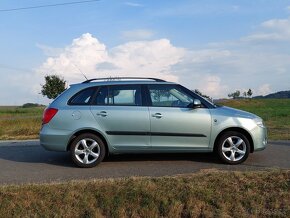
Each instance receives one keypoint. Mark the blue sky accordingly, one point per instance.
(215, 46)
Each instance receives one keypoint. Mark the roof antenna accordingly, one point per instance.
(80, 71)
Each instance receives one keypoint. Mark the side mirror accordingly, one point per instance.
(195, 104)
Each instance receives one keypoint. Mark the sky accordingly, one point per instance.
(217, 47)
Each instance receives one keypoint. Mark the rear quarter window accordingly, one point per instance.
(83, 97)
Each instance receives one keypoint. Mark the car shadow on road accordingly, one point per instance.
(195, 157)
(36, 154)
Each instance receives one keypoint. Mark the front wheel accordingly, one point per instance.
(87, 150)
(233, 147)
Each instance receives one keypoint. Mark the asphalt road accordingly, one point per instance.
(27, 162)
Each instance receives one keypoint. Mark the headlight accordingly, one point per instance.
(259, 122)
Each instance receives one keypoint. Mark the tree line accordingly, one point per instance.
(237, 94)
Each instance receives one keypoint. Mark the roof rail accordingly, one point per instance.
(120, 78)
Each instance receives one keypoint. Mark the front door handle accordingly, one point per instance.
(157, 115)
(102, 113)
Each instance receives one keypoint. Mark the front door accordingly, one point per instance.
(175, 126)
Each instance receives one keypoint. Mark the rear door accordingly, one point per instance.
(175, 126)
(118, 110)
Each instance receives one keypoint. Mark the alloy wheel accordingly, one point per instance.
(87, 151)
(234, 148)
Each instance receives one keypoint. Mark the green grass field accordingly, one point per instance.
(205, 194)
(20, 123)
(25, 123)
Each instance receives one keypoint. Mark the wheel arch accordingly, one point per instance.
(236, 129)
(82, 131)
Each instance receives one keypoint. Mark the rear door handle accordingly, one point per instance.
(102, 113)
(157, 115)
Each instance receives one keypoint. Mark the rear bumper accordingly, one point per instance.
(54, 139)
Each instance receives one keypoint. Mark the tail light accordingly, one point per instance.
(48, 114)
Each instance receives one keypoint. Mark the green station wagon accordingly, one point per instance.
(107, 116)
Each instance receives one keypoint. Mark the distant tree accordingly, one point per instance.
(245, 94)
(54, 85)
(198, 92)
(203, 95)
(249, 93)
(235, 94)
(29, 105)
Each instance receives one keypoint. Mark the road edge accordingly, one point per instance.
(30, 142)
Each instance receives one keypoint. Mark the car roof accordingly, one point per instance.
(102, 81)
(124, 78)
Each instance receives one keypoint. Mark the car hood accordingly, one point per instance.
(235, 112)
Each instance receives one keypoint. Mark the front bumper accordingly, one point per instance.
(260, 138)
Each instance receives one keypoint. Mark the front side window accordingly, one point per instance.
(83, 97)
(169, 96)
(126, 95)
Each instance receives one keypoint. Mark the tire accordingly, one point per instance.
(87, 150)
(233, 147)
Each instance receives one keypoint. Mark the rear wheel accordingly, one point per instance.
(233, 147)
(87, 150)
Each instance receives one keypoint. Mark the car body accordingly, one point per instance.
(144, 115)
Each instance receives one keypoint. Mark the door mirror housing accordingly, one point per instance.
(195, 104)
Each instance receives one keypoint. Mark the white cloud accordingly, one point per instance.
(20, 88)
(212, 86)
(133, 4)
(139, 58)
(49, 51)
(264, 89)
(207, 55)
(84, 53)
(139, 34)
(272, 30)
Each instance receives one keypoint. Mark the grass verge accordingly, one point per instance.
(20, 123)
(205, 194)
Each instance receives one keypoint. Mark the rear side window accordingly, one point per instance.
(122, 95)
(83, 97)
